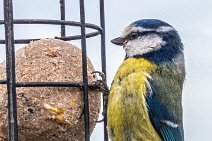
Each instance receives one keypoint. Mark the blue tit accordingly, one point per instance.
(145, 96)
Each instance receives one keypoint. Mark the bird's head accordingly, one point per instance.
(151, 38)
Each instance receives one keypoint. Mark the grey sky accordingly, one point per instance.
(192, 19)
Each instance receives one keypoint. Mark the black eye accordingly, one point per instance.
(133, 35)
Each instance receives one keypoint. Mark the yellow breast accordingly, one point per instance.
(128, 118)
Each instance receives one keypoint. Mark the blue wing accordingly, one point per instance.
(164, 121)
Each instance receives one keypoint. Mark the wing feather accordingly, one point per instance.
(165, 122)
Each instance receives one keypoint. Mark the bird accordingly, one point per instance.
(145, 98)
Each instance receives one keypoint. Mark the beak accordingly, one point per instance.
(118, 41)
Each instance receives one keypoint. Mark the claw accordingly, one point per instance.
(104, 115)
(99, 121)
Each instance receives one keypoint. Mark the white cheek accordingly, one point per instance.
(144, 45)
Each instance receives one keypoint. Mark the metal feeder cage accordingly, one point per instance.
(8, 22)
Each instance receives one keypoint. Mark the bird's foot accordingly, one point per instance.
(101, 82)
(102, 85)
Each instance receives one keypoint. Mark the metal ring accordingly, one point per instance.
(55, 22)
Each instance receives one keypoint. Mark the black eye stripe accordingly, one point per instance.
(134, 35)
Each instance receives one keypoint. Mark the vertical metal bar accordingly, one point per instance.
(62, 17)
(102, 22)
(10, 64)
(103, 59)
(84, 69)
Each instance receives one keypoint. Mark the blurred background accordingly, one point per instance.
(192, 19)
